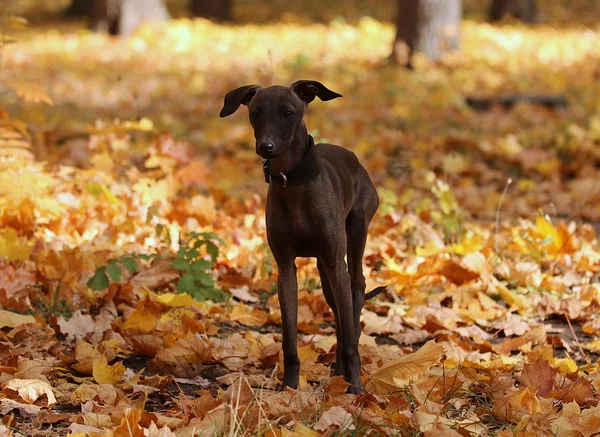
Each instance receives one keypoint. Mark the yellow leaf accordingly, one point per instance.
(31, 92)
(177, 300)
(12, 320)
(399, 372)
(31, 389)
(12, 247)
(130, 425)
(307, 354)
(242, 314)
(102, 161)
(565, 365)
(548, 167)
(518, 300)
(430, 249)
(105, 373)
(467, 245)
(299, 431)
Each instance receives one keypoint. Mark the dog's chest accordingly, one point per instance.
(302, 232)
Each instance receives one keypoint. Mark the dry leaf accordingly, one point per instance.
(31, 389)
(394, 375)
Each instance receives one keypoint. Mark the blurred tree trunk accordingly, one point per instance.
(122, 17)
(79, 9)
(427, 26)
(524, 10)
(218, 10)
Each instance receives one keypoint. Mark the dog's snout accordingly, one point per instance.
(265, 147)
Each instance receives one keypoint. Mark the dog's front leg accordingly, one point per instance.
(287, 291)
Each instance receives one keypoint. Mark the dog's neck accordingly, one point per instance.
(301, 163)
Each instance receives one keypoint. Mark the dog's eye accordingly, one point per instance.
(254, 114)
(288, 114)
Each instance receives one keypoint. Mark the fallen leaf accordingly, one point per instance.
(31, 389)
(107, 374)
(394, 375)
(12, 320)
(336, 418)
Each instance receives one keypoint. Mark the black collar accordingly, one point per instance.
(305, 171)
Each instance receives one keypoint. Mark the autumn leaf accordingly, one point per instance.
(107, 374)
(130, 426)
(394, 375)
(12, 247)
(31, 389)
(12, 320)
(31, 92)
(337, 418)
(539, 375)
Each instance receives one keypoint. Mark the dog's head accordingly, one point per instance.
(276, 112)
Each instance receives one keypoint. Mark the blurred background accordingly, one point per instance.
(487, 96)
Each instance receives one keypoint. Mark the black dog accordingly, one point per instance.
(320, 203)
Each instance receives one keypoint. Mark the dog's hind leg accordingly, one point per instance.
(356, 232)
(339, 365)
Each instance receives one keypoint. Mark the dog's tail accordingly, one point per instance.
(371, 294)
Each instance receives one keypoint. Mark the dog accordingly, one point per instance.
(319, 204)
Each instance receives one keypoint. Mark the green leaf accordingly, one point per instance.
(186, 283)
(205, 279)
(200, 265)
(212, 250)
(213, 294)
(130, 264)
(181, 264)
(114, 271)
(99, 281)
(152, 212)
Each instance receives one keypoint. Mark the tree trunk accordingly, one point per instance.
(218, 10)
(135, 12)
(524, 10)
(122, 17)
(427, 26)
(79, 9)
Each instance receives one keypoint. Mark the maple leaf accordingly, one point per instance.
(130, 426)
(12, 247)
(104, 373)
(335, 417)
(539, 376)
(31, 389)
(394, 375)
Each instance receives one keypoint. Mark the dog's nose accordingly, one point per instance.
(265, 147)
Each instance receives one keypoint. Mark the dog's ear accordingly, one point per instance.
(307, 90)
(239, 96)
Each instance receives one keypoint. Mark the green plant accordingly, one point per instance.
(195, 280)
(112, 270)
(52, 305)
(449, 215)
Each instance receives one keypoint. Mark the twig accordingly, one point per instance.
(587, 359)
(497, 226)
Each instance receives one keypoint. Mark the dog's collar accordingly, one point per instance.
(305, 171)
